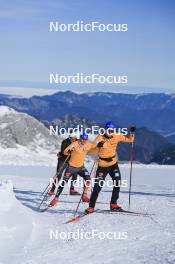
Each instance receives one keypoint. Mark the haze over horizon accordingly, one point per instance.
(37, 91)
(145, 53)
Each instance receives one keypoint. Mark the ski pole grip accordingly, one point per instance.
(132, 128)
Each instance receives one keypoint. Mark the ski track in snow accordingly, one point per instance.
(24, 232)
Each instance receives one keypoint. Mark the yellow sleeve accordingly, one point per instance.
(70, 147)
(93, 145)
(94, 150)
(98, 139)
(128, 138)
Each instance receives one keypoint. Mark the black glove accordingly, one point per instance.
(100, 144)
(69, 152)
(133, 128)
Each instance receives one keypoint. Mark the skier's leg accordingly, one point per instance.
(99, 182)
(83, 172)
(116, 177)
(61, 166)
(66, 177)
(73, 191)
(73, 180)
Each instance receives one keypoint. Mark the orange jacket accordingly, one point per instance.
(109, 148)
(78, 153)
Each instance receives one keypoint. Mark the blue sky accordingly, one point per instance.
(29, 52)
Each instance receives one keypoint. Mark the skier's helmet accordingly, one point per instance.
(84, 136)
(109, 125)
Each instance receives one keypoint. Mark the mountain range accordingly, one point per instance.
(153, 114)
(154, 111)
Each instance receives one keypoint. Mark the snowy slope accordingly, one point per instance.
(13, 232)
(148, 240)
(24, 140)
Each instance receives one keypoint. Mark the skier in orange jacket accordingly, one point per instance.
(107, 164)
(78, 150)
(63, 164)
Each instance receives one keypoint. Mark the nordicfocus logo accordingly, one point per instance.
(81, 78)
(80, 234)
(81, 26)
(79, 129)
(109, 183)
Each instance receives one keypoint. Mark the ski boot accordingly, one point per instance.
(54, 201)
(85, 199)
(74, 192)
(115, 207)
(50, 193)
(89, 210)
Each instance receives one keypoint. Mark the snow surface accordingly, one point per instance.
(25, 156)
(5, 110)
(24, 140)
(24, 232)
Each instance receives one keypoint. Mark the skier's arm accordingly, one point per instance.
(129, 138)
(94, 145)
(68, 150)
(93, 149)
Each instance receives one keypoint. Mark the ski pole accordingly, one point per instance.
(55, 176)
(130, 176)
(93, 173)
(62, 166)
(82, 193)
(45, 195)
(78, 205)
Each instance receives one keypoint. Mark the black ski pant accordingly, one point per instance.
(70, 172)
(61, 166)
(101, 174)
